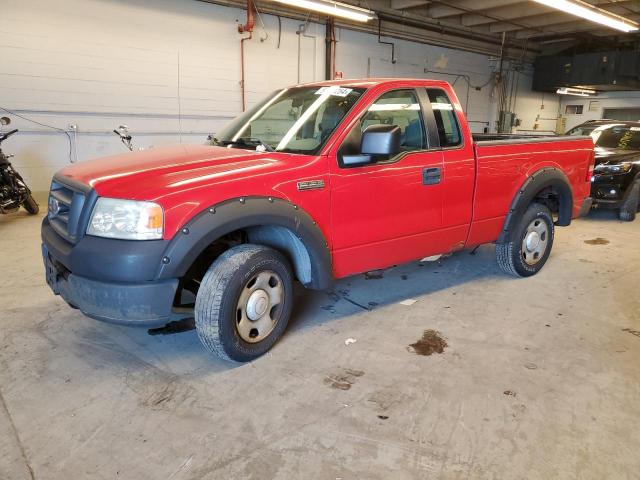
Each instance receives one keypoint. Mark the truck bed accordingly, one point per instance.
(505, 162)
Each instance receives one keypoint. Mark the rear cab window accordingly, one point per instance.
(445, 117)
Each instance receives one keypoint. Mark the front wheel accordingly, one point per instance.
(529, 244)
(244, 302)
(30, 205)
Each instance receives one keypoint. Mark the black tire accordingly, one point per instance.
(30, 205)
(217, 312)
(512, 254)
(630, 206)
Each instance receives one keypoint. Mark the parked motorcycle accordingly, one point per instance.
(13, 190)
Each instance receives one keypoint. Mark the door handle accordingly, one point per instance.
(431, 176)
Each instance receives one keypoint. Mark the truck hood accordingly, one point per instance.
(613, 156)
(147, 174)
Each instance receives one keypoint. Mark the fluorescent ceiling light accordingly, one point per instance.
(578, 92)
(335, 9)
(589, 12)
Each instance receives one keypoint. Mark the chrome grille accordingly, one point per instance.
(65, 209)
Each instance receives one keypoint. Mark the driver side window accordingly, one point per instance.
(400, 108)
(397, 107)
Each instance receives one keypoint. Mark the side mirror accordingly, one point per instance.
(381, 140)
(377, 140)
(5, 120)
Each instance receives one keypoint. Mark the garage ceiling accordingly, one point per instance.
(519, 19)
(529, 28)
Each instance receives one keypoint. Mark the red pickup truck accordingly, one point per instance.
(316, 182)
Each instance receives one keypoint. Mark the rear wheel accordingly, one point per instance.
(30, 205)
(529, 244)
(630, 206)
(244, 302)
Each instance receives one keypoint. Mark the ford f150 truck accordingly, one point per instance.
(315, 183)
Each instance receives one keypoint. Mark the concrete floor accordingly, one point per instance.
(540, 379)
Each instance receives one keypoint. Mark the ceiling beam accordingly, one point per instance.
(449, 9)
(508, 12)
(537, 21)
(477, 22)
(572, 27)
(482, 12)
(625, 6)
(404, 4)
(445, 28)
(556, 19)
(533, 17)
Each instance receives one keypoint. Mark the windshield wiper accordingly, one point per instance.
(247, 142)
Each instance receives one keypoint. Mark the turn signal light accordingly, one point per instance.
(155, 218)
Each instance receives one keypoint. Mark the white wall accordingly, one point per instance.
(537, 111)
(360, 55)
(170, 70)
(102, 63)
(605, 100)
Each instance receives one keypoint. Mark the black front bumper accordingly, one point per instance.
(611, 190)
(110, 280)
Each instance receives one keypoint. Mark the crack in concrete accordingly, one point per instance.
(353, 302)
(23, 453)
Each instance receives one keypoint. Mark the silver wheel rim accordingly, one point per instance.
(535, 241)
(259, 306)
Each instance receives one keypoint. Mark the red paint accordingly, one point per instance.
(372, 216)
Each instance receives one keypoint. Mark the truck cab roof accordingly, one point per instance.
(370, 82)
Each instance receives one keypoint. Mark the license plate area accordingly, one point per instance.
(54, 272)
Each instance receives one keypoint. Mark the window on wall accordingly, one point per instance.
(446, 121)
(573, 109)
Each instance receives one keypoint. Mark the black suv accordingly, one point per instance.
(616, 179)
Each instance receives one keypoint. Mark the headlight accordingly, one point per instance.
(126, 219)
(621, 168)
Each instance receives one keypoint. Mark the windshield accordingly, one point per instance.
(296, 120)
(617, 136)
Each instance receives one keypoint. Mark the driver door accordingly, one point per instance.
(388, 211)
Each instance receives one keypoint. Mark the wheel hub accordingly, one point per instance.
(533, 240)
(257, 305)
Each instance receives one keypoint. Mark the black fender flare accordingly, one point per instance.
(534, 184)
(243, 213)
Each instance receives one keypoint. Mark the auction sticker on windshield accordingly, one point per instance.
(335, 91)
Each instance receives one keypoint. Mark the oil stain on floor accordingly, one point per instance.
(597, 241)
(344, 379)
(431, 342)
(374, 275)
